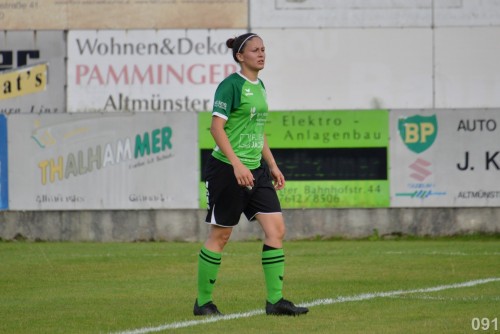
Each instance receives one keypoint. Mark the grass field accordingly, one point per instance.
(399, 286)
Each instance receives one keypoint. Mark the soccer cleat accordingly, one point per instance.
(207, 309)
(285, 307)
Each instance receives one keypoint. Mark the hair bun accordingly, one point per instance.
(230, 42)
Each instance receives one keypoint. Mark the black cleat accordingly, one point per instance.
(285, 307)
(207, 309)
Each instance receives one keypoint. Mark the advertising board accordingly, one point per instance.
(122, 14)
(32, 72)
(445, 158)
(329, 158)
(4, 180)
(102, 161)
(146, 70)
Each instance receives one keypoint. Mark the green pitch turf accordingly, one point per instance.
(402, 286)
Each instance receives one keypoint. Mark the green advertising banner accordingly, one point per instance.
(318, 129)
(330, 159)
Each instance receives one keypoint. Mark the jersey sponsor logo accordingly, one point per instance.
(251, 140)
(220, 104)
(248, 92)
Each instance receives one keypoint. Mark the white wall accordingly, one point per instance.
(370, 54)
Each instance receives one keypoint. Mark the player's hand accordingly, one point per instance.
(278, 178)
(243, 175)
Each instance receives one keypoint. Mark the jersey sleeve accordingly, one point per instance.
(223, 99)
(228, 96)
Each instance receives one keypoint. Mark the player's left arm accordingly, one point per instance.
(278, 177)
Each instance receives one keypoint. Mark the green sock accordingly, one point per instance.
(208, 267)
(273, 263)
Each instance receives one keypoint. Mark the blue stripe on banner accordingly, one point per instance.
(4, 179)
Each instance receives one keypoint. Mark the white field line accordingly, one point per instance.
(328, 301)
(449, 299)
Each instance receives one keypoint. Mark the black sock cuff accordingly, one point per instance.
(268, 248)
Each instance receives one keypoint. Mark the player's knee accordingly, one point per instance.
(222, 238)
(277, 233)
(281, 232)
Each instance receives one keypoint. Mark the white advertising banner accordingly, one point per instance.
(445, 158)
(24, 55)
(103, 161)
(4, 180)
(147, 70)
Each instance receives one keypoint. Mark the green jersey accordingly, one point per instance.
(243, 104)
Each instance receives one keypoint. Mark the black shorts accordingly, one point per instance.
(227, 200)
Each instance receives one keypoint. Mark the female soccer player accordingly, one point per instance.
(237, 182)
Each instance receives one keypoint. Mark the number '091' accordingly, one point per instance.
(484, 324)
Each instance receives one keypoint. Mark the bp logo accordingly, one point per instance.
(418, 132)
